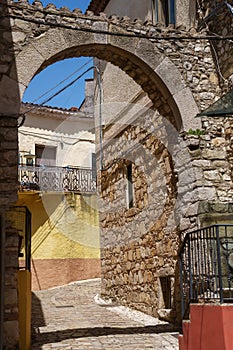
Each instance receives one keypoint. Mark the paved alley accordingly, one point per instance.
(71, 318)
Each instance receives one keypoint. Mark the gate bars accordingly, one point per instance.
(206, 266)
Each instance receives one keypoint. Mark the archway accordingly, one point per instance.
(138, 57)
(89, 36)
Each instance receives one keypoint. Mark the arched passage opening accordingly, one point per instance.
(139, 58)
(151, 70)
(145, 192)
(57, 178)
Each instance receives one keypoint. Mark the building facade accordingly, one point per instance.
(57, 183)
(159, 179)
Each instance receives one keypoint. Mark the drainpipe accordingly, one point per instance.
(2, 274)
(100, 116)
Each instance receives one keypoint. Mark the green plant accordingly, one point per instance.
(197, 132)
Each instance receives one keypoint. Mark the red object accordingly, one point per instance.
(210, 328)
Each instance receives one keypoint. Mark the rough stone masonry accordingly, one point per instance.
(139, 247)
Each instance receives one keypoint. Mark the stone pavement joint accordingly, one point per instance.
(71, 317)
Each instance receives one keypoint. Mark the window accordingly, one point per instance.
(163, 11)
(93, 164)
(166, 291)
(93, 161)
(29, 160)
(130, 199)
(45, 155)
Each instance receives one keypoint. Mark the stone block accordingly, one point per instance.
(11, 334)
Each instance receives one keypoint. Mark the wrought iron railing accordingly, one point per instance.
(52, 178)
(206, 266)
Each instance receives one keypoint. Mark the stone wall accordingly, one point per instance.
(8, 190)
(205, 173)
(180, 182)
(139, 243)
(10, 326)
(9, 110)
(8, 160)
(133, 269)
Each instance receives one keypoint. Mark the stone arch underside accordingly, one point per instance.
(139, 58)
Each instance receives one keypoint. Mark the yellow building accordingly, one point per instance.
(57, 178)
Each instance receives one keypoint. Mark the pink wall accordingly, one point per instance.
(48, 273)
(210, 328)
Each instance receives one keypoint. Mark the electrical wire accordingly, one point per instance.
(59, 91)
(204, 22)
(217, 63)
(128, 35)
(140, 35)
(67, 86)
(62, 81)
(55, 139)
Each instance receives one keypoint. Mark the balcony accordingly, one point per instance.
(56, 179)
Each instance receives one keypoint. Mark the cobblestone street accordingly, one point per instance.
(69, 318)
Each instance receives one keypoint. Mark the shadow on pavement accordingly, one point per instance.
(39, 321)
(51, 337)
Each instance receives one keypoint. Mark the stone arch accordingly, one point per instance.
(138, 57)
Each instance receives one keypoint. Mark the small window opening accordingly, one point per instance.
(166, 291)
(129, 175)
(168, 9)
(93, 161)
(45, 155)
(93, 164)
(154, 11)
(163, 11)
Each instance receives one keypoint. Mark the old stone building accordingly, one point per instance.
(157, 179)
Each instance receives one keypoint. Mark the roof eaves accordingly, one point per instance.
(27, 107)
(222, 107)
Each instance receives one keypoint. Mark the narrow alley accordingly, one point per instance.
(71, 317)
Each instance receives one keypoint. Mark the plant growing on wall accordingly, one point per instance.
(197, 132)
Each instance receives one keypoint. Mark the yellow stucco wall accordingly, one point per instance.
(63, 225)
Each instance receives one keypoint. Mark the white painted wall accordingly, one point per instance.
(133, 9)
(73, 137)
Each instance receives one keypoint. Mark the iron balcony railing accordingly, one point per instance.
(52, 178)
(206, 266)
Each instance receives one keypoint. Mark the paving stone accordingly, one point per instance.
(85, 325)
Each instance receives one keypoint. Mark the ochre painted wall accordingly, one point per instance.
(65, 237)
(24, 295)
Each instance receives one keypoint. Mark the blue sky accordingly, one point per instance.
(54, 74)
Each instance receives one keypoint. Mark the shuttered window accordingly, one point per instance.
(163, 11)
